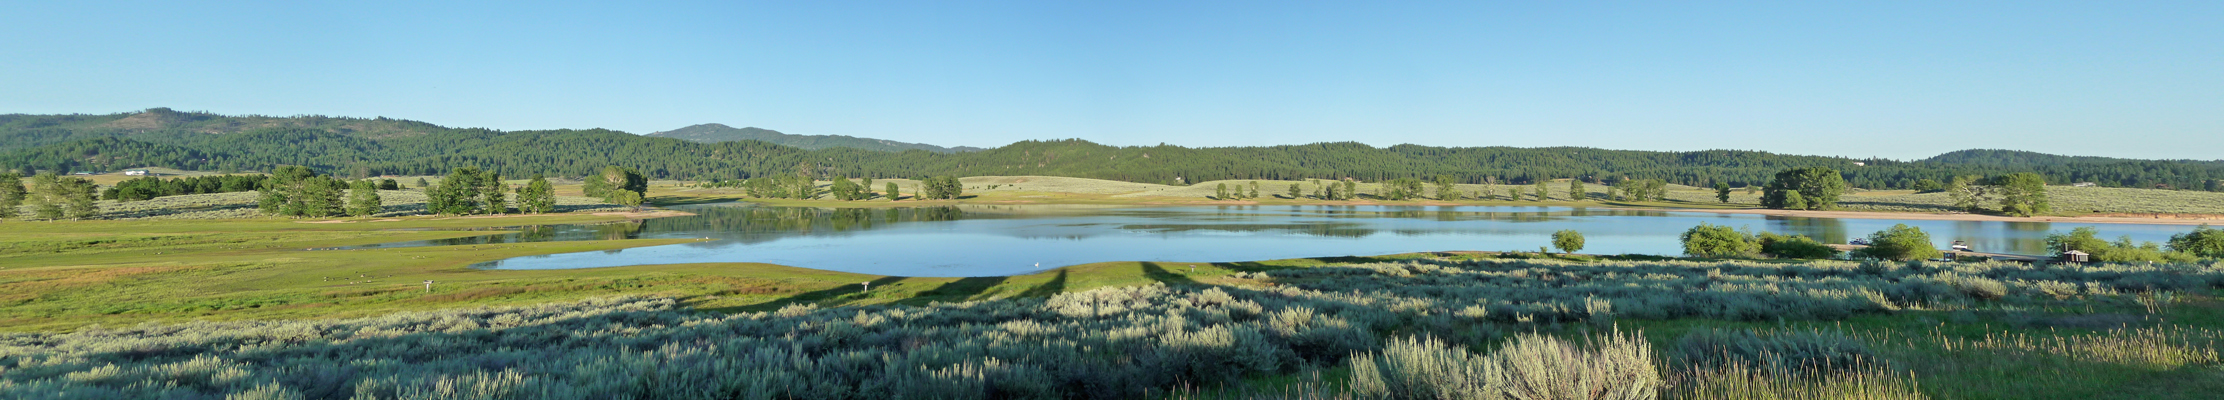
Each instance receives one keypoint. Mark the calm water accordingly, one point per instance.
(1007, 240)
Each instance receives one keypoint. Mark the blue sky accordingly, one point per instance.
(1890, 79)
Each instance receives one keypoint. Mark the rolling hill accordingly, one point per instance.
(716, 133)
(382, 146)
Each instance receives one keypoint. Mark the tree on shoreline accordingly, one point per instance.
(1818, 186)
(943, 187)
(1718, 241)
(537, 196)
(1901, 243)
(2022, 194)
(1568, 241)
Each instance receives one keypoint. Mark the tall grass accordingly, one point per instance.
(1529, 367)
(1153, 340)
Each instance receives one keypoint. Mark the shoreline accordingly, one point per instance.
(1952, 216)
(2154, 219)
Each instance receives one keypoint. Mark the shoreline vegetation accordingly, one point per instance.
(1858, 205)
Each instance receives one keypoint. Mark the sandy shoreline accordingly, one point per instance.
(1953, 216)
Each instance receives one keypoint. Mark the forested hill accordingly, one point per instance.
(2019, 158)
(715, 133)
(362, 147)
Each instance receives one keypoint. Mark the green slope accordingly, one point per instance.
(718, 133)
(349, 146)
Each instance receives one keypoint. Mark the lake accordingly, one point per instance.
(995, 240)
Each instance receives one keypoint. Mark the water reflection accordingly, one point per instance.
(1008, 239)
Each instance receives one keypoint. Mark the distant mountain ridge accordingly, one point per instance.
(717, 133)
(383, 146)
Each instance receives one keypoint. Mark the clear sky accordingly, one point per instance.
(1872, 78)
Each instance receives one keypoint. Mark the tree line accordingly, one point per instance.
(358, 148)
(51, 197)
(152, 187)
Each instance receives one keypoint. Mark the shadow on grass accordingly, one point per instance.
(962, 289)
(1054, 287)
(1156, 273)
(829, 297)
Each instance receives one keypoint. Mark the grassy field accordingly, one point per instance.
(272, 319)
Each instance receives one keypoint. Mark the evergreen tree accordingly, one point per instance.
(537, 196)
(1254, 190)
(1351, 190)
(1513, 193)
(11, 194)
(1446, 190)
(802, 187)
(56, 197)
(892, 193)
(389, 184)
(491, 190)
(1722, 192)
(318, 197)
(1968, 195)
(272, 199)
(2022, 194)
(456, 194)
(1543, 191)
(1221, 192)
(421, 184)
(46, 196)
(1296, 191)
(1576, 191)
(363, 199)
(79, 198)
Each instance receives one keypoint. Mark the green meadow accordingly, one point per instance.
(109, 309)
